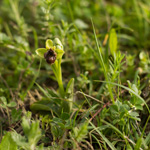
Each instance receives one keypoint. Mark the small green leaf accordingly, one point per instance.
(40, 52)
(3, 106)
(3, 100)
(12, 104)
(113, 42)
(49, 44)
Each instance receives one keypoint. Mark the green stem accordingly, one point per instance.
(58, 74)
(60, 83)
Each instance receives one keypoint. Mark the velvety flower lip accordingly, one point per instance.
(50, 56)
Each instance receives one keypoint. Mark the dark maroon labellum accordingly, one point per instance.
(50, 56)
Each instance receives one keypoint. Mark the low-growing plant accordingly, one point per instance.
(53, 55)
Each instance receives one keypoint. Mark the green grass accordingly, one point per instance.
(93, 93)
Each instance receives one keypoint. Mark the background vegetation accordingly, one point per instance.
(105, 75)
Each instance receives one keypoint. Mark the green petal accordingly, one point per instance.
(49, 44)
(59, 52)
(59, 47)
(40, 52)
(58, 42)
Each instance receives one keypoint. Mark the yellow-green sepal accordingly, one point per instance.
(40, 52)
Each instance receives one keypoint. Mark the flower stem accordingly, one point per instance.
(60, 83)
(58, 74)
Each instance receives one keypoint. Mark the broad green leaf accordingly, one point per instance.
(45, 105)
(113, 42)
(49, 44)
(40, 52)
(8, 143)
(41, 105)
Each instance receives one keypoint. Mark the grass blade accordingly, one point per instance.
(104, 138)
